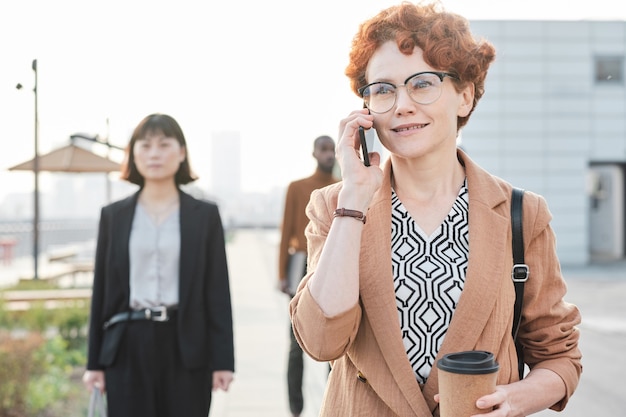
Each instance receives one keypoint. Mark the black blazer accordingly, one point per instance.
(204, 316)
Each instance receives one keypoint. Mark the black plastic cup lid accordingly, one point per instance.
(469, 362)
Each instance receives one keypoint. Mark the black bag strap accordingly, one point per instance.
(520, 271)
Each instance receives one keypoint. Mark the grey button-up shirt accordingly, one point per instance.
(154, 260)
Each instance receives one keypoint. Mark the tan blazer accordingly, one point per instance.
(371, 374)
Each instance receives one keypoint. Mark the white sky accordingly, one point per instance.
(200, 62)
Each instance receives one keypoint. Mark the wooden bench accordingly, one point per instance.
(61, 256)
(55, 272)
(20, 300)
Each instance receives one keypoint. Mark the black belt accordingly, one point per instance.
(160, 313)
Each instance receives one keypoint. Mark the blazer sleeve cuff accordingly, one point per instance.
(569, 371)
(321, 337)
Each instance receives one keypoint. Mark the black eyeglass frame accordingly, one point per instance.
(440, 74)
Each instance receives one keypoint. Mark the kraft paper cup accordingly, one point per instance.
(464, 377)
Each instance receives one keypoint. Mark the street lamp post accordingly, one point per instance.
(36, 172)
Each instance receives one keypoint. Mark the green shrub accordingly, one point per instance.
(37, 318)
(17, 365)
(52, 383)
(39, 375)
(72, 326)
(36, 374)
(5, 320)
(70, 322)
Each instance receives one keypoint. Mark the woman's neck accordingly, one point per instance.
(159, 202)
(159, 193)
(428, 189)
(426, 179)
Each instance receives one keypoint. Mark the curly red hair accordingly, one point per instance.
(444, 37)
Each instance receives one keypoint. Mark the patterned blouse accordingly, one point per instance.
(429, 273)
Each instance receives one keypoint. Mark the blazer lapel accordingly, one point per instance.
(488, 242)
(192, 226)
(379, 300)
(124, 223)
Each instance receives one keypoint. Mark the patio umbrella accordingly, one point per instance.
(70, 158)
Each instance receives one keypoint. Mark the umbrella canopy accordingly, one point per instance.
(70, 158)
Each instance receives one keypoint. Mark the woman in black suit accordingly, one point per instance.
(161, 332)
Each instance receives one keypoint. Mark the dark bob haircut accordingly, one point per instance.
(159, 124)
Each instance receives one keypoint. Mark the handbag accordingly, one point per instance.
(110, 343)
(520, 272)
(97, 404)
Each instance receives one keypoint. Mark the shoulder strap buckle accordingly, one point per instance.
(520, 273)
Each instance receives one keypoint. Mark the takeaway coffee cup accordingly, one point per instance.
(464, 377)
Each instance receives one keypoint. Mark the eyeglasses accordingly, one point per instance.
(423, 88)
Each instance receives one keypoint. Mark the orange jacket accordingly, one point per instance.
(294, 217)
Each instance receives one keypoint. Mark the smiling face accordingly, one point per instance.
(411, 130)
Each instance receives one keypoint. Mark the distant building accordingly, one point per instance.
(238, 209)
(75, 195)
(225, 164)
(225, 175)
(553, 121)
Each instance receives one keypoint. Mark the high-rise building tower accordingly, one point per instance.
(225, 164)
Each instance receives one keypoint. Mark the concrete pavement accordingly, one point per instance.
(261, 320)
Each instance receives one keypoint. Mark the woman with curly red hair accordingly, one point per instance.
(410, 258)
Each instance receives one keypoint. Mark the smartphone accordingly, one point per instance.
(364, 150)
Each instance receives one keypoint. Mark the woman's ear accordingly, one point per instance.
(467, 100)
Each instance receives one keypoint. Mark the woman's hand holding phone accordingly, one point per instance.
(360, 178)
(352, 131)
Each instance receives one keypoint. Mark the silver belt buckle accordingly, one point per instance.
(157, 314)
